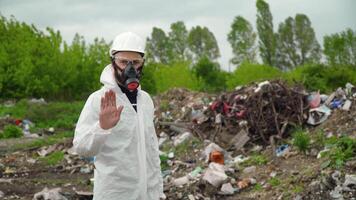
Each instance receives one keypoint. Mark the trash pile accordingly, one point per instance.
(232, 125)
(259, 113)
(207, 172)
(211, 147)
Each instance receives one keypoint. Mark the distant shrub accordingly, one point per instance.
(11, 131)
(247, 73)
(301, 140)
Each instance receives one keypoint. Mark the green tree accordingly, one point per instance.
(340, 48)
(148, 81)
(158, 48)
(178, 37)
(242, 39)
(212, 77)
(202, 43)
(307, 43)
(267, 39)
(297, 44)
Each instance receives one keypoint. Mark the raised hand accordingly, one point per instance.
(109, 114)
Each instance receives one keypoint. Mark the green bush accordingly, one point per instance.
(341, 150)
(247, 73)
(11, 131)
(175, 75)
(210, 75)
(321, 77)
(301, 140)
(54, 158)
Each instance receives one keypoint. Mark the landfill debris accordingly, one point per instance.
(37, 101)
(350, 182)
(3, 180)
(26, 126)
(227, 189)
(240, 139)
(215, 174)
(346, 105)
(239, 159)
(336, 103)
(191, 197)
(249, 170)
(182, 138)
(318, 115)
(163, 137)
(85, 170)
(181, 181)
(83, 195)
(212, 147)
(47, 150)
(171, 155)
(49, 194)
(196, 172)
(217, 157)
(244, 183)
(282, 150)
(314, 99)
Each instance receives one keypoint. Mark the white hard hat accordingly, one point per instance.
(127, 41)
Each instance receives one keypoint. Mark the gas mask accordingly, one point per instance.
(128, 77)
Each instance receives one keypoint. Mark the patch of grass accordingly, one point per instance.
(274, 181)
(164, 105)
(320, 139)
(341, 150)
(301, 140)
(297, 189)
(255, 159)
(257, 187)
(53, 158)
(188, 146)
(247, 73)
(50, 140)
(11, 131)
(53, 114)
(164, 164)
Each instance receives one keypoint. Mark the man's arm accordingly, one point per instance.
(93, 128)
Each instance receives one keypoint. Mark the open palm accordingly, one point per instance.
(109, 114)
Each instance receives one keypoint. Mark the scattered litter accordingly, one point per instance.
(314, 100)
(249, 170)
(227, 189)
(350, 181)
(49, 194)
(171, 155)
(182, 138)
(85, 170)
(217, 157)
(210, 148)
(282, 150)
(244, 183)
(195, 172)
(82, 195)
(37, 101)
(346, 105)
(215, 174)
(336, 103)
(318, 115)
(181, 181)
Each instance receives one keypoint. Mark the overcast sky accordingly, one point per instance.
(97, 18)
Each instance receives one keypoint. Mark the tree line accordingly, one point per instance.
(34, 63)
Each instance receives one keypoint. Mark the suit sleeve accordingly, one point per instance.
(89, 137)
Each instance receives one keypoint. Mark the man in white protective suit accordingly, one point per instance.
(116, 126)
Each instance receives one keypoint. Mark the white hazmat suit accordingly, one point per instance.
(127, 164)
